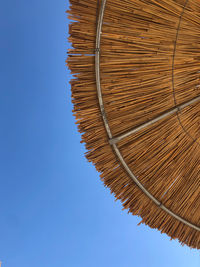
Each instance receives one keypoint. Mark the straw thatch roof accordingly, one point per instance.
(136, 95)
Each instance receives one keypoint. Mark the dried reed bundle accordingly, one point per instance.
(136, 96)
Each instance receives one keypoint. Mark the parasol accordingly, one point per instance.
(136, 96)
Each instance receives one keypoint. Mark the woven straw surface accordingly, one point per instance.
(149, 64)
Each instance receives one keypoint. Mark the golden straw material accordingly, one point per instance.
(136, 96)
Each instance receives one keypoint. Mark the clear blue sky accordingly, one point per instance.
(54, 211)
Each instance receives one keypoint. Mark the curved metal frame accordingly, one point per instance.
(113, 140)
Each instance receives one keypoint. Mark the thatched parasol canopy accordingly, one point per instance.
(136, 95)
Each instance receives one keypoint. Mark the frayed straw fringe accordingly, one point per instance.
(149, 63)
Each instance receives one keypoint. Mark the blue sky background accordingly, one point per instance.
(54, 211)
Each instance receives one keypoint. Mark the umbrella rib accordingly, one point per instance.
(176, 109)
(103, 114)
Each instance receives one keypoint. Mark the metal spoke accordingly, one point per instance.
(115, 140)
